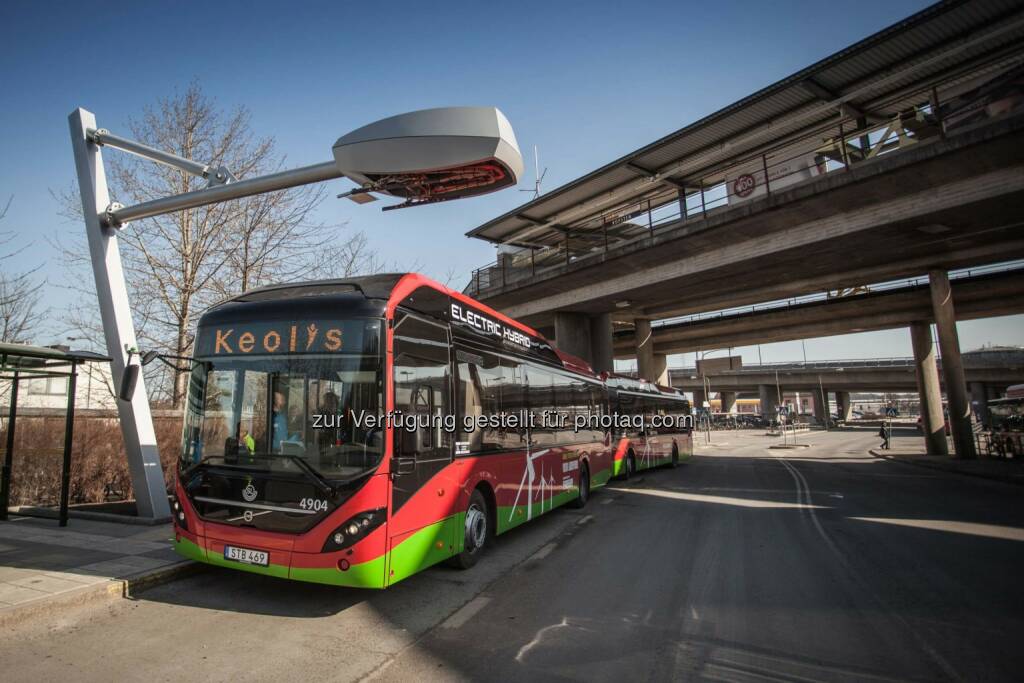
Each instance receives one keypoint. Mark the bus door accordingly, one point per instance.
(421, 497)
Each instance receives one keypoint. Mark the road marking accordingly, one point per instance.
(721, 500)
(466, 612)
(693, 613)
(525, 649)
(543, 552)
(1008, 533)
(584, 520)
(804, 490)
(606, 501)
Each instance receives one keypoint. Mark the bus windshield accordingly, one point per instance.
(264, 412)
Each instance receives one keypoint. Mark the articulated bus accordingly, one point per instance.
(355, 432)
(1006, 440)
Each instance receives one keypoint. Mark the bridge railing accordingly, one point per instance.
(837, 146)
(792, 302)
(896, 362)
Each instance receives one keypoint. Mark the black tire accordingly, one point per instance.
(581, 500)
(477, 531)
(628, 466)
(675, 455)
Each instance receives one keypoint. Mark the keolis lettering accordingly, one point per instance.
(288, 339)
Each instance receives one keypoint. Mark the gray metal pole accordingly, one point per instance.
(69, 437)
(106, 138)
(136, 420)
(221, 193)
(5, 481)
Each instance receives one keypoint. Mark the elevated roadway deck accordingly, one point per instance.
(980, 296)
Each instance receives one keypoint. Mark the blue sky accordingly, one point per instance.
(584, 81)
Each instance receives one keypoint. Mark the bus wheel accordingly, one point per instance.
(581, 500)
(675, 455)
(477, 531)
(628, 466)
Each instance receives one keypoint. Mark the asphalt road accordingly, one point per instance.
(745, 564)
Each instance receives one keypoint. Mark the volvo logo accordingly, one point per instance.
(247, 515)
(249, 492)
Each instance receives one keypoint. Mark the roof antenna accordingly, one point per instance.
(537, 175)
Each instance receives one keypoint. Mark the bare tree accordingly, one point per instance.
(20, 295)
(178, 264)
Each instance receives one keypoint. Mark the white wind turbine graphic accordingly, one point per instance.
(529, 474)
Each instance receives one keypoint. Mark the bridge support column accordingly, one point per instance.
(952, 365)
(602, 357)
(728, 400)
(979, 400)
(929, 393)
(651, 366)
(843, 406)
(572, 333)
(586, 336)
(699, 396)
(821, 406)
(769, 396)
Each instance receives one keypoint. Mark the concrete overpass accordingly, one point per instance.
(988, 372)
(950, 204)
(899, 156)
(977, 296)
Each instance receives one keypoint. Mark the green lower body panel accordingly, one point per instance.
(426, 547)
(192, 551)
(187, 548)
(415, 553)
(365, 575)
(601, 478)
(510, 517)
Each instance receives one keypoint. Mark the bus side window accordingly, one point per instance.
(422, 386)
(421, 382)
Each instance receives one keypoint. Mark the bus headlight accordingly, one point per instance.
(179, 513)
(355, 529)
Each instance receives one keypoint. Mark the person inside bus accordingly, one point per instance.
(278, 421)
(245, 438)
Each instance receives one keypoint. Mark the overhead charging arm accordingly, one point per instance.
(217, 176)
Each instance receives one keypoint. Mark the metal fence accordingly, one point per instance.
(831, 148)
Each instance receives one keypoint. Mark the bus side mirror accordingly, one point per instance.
(128, 381)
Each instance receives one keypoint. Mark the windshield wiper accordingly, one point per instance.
(203, 461)
(311, 471)
(322, 483)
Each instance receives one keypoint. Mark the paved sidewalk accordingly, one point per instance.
(1010, 471)
(43, 566)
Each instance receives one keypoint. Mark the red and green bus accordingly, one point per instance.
(655, 440)
(355, 432)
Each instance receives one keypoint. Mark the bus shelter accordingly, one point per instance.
(20, 362)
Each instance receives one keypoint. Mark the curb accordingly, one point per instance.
(109, 591)
(1018, 481)
(50, 513)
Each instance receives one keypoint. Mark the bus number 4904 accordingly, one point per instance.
(313, 504)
